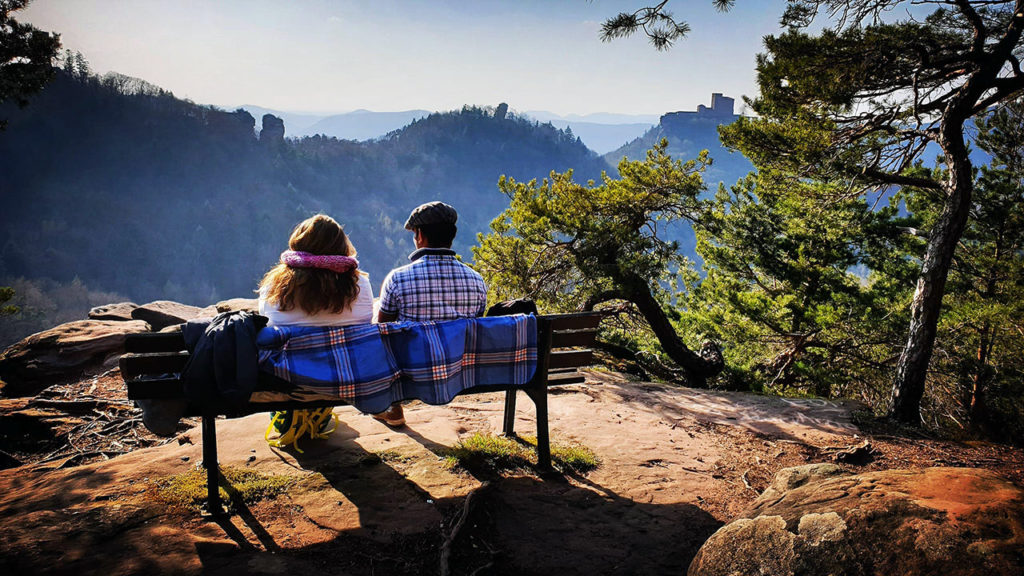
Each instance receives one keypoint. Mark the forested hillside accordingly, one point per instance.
(122, 186)
(687, 135)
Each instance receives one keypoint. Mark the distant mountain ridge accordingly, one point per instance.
(355, 125)
(364, 124)
(154, 197)
(601, 132)
(594, 118)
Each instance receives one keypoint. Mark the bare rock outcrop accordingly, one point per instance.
(237, 305)
(29, 366)
(232, 305)
(273, 130)
(816, 519)
(120, 311)
(163, 313)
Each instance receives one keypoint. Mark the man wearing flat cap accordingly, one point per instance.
(435, 285)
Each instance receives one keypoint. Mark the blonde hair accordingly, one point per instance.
(314, 289)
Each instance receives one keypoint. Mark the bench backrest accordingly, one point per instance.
(152, 363)
(563, 343)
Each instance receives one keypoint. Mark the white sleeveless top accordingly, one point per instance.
(360, 311)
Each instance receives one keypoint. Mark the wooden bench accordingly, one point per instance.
(152, 365)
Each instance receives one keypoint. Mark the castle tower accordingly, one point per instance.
(722, 105)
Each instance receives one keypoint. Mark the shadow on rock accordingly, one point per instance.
(530, 526)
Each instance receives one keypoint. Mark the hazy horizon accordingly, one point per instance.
(329, 57)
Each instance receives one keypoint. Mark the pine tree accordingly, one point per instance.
(874, 95)
(26, 56)
(570, 246)
(784, 289)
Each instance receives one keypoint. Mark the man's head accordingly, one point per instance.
(434, 225)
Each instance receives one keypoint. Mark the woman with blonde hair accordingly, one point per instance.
(318, 281)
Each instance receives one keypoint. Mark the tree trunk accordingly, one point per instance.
(908, 387)
(977, 411)
(698, 367)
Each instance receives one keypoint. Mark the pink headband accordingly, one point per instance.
(334, 263)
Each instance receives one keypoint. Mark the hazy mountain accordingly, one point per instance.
(595, 118)
(154, 197)
(601, 132)
(355, 125)
(603, 138)
(362, 124)
(688, 133)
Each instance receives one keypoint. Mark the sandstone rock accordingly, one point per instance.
(163, 313)
(237, 125)
(232, 305)
(31, 364)
(238, 304)
(121, 311)
(273, 130)
(789, 478)
(207, 312)
(817, 520)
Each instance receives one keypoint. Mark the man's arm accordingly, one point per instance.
(388, 299)
(383, 317)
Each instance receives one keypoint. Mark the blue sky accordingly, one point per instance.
(334, 56)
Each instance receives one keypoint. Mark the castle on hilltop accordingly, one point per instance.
(720, 106)
(722, 111)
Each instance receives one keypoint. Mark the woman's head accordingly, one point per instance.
(321, 235)
(314, 289)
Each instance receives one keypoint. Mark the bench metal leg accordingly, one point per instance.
(510, 413)
(213, 505)
(540, 399)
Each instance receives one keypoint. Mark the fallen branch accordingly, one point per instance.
(487, 566)
(747, 484)
(67, 406)
(467, 508)
(857, 455)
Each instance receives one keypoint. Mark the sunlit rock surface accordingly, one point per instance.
(119, 311)
(32, 364)
(164, 313)
(816, 520)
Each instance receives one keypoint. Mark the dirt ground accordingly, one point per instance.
(675, 465)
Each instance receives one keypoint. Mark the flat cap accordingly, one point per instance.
(431, 213)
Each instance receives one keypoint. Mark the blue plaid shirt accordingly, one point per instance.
(435, 286)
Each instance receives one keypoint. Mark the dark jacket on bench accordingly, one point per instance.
(223, 358)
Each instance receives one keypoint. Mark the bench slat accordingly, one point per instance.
(574, 338)
(574, 321)
(133, 365)
(571, 359)
(154, 342)
(560, 370)
(155, 388)
(566, 378)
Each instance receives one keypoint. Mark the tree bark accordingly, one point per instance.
(908, 387)
(977, 411)
(697, 367)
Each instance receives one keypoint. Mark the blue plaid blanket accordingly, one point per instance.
(372, 365)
